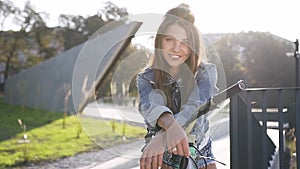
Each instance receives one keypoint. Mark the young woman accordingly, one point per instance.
(170, 90)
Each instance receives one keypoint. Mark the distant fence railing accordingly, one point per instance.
(252, 113)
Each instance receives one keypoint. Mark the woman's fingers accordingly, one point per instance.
(151, 160)
(185, 148)
(176, 138)
(154, 162)
(143, 163)
(160, 160)
(181, 148)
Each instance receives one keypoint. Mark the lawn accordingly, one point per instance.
(45, 137)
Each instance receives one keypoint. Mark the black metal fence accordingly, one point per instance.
(252, 114)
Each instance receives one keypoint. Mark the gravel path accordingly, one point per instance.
(85, 160)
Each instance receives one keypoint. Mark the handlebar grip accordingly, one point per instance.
(230, 91)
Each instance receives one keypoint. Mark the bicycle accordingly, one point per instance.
(190, 162)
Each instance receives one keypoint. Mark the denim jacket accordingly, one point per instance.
(153, 104)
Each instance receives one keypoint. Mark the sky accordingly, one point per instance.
(278, 17)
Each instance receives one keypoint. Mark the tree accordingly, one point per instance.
(230, 56)
(257, 57)
(266, 61)
(77, 29)
(16, 44)
(113, 12)
(32, 42)
(47, 43)
(9, 40)
(72, 27)
(7, 9)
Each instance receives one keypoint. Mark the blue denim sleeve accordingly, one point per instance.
(206, 80)
(152, 102)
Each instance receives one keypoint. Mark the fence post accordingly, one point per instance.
(280, 130)
(297, 129)
(264, 126)
(250, 146)
(250, 131)
(233, 129)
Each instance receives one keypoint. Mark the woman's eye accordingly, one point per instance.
(169, 39)
(186, 44)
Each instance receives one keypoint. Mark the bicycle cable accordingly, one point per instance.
(206, 158)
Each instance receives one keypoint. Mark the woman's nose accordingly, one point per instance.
(177, 46)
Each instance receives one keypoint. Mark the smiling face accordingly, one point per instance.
(174, 44)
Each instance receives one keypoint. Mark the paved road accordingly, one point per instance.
(130, 159)
(127, 159)
(127, 156)
(110, 111)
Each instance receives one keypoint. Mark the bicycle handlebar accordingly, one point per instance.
(229, 92)
(218, 98)
(211, 104)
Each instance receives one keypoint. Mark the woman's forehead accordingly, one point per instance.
(176, 31)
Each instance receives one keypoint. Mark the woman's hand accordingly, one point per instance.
(153, 153)
(172, 137)
(177, 141)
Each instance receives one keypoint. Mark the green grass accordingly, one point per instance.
(32, 118)
(48, 140)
